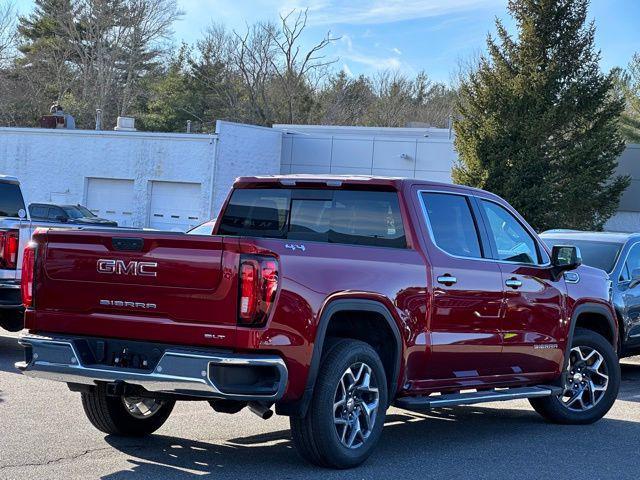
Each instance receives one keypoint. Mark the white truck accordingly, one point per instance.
(16, 229)
(15, 232)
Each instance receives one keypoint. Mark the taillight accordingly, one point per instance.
(28, 273)
(9, 241)
(258, 287)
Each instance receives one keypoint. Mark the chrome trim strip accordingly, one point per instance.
(179, 371)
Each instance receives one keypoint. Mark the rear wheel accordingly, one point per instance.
(126, 416)
(591, 385)
(345, 419)
(12, 320)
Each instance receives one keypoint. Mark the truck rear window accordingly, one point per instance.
(332, 216)
(11, 200)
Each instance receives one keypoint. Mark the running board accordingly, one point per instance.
(452, 399)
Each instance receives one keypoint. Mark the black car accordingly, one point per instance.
(73, 214)
(618, 254)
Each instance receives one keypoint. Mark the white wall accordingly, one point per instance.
(627, 219)
(56, 165)
(425, 153)
(243, 150)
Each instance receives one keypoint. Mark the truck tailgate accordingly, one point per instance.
(173, 288)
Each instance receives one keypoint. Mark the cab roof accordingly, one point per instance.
(339, 180)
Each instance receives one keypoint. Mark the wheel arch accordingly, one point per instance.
(590, 316)
(330, 311)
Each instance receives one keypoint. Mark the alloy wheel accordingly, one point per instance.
(355, 406)
(139, 407)
(587, 379)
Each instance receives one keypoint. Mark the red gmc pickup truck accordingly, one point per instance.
(331, 298)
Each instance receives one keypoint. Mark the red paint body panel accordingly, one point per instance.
(474, 334)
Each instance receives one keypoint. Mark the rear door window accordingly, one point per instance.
(452, 224)
(11, 201)
(332, 216)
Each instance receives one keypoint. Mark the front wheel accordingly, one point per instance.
(126, 416)
(345, 419)
(592, 381)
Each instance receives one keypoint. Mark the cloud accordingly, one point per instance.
(347, 70)
(322, 12)
(377, 63)
(396, 50)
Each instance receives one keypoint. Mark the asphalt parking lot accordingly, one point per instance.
(44, 434)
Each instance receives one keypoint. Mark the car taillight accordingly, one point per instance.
(28, 274)
(9, 241)
(258, 287)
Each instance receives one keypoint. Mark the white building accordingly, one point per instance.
(627, 219)
(425, 153)
(174, 181)
(161, 180)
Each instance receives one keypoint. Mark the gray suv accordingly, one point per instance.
(618, 254)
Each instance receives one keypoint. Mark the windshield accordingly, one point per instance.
(602, 255)
(77, 211)
(73, 212)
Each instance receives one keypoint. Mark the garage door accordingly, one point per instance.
(111, 198)
(175, 206)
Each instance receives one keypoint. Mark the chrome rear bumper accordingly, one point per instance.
(179, 371)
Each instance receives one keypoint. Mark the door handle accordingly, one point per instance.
(513, 283)
(447, 280)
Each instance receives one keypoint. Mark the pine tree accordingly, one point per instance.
(42, 29)
(539, 122)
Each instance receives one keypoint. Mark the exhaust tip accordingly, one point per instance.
(261, 410)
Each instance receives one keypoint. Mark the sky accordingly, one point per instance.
(434, 36)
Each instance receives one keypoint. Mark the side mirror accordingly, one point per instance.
(61, 219)
(565, 258)
(635, 277)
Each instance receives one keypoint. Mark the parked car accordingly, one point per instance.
(618, 254)
(73, 214)
(331, 298)
(205, 228)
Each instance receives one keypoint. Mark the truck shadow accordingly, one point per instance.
(10, 353)
(462, 442)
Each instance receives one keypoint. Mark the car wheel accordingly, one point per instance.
(591, 384)
(122, 415)
(346, 415)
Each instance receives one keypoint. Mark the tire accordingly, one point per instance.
(316, 436)
(597, 402)
(110, 415)
(12, 320)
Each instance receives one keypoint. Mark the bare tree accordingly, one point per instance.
(254, 59)
(7, 31)
(295, 68)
